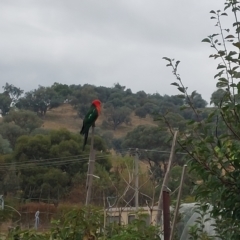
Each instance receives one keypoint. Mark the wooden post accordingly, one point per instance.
(91, 165)
(165, 180)
(136, 181)
(178, 202)
(166, 213)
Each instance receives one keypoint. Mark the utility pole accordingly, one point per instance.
(165, 180)
(166, 213)
(178, 202)
(91, 165)
(136, 169)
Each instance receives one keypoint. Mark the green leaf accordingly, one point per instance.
(231, 53)
(206, 40)
(227, 6)
(229, 36)
(221, 66)
(223, 14)
(177, 62)
(236, 75)
(181, 89)
(219, 74)
(237, 44)
(236, 23)
(223, 80)
(234, 68)
(212, 12)
(168, 59)
(221, 84)
(238, 30)
(221, 52)
(175, 84)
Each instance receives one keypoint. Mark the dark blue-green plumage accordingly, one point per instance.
(88, 122)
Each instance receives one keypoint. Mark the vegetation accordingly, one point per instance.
(49, 164)
(212, 144)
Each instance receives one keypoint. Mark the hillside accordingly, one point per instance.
(66, 117)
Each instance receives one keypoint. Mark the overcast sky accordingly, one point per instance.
(103, 42)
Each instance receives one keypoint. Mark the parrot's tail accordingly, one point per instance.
(85, 140)
(85, 133)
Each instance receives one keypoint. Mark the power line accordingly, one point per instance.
(47, 164)
(47, 159)
(154, 150)
(70, 159)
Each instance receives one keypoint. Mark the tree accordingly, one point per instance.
(117, 116)
(40, 100)
(175, 120)
(5, 103)
(82, 97)
(62, 90)
(13, 92)
(130, 101)
(52, 161)
(214, 155)
(44, 182)
(11, 132)
(147, 108)
(5, 147)
(25, 119)
(103, 93)
(218, 96)
(9, 97)
(150, 140)
(196, 100)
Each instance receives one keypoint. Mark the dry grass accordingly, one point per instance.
(66, 117)
(62, 117)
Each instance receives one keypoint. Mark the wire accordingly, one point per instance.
(47, 159)
(68, 160)
(47, 164)
(153, 150)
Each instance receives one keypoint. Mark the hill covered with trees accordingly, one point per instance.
(63, 106)
(40, 151)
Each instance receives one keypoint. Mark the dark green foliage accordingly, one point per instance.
(5, 103)
(42, 99)
(217, 97)
(11, 132)
(9, 98)
(147, 108)
(117, 116)
(44, 164)
(212, 145)
(25, 119)
(196, 100)
(86, 224)
(150, 141)
(63, 90)
(4, 146)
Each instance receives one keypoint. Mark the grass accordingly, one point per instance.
(65, 116)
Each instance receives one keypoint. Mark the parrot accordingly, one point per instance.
(90, 119)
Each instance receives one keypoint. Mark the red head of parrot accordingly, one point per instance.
(97, 103)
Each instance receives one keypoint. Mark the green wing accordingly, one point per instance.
(88, 121)
(91, 116)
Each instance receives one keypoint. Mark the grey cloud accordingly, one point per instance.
(104, 42)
